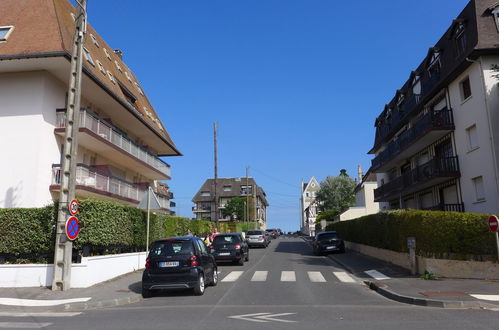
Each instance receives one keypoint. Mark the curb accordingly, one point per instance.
(100, 304)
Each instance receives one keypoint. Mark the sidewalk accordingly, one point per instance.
(397, 284)
(123, 290)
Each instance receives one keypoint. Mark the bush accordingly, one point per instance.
(449, 235)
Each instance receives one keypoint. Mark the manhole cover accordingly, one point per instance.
(126, 291)
(443, 293)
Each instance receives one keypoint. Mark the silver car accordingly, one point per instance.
(257, 238)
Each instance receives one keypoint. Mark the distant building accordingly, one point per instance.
(437, 143)
(309, 207)
(364, 198)
(226, 189)
(120, 139)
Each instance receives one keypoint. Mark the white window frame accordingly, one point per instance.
(101, 67)
(139, 89)
(107, 53)
(111, 77)
(9, 32)
(88, 56)
(94, 39)
(472, 137)
(479, 189)
(495, 13)
(118, 65)
(128, 76)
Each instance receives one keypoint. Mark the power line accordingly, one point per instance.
(276, 179)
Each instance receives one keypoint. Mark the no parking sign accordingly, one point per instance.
(72, 228)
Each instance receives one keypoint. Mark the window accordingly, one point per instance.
(94, 39)
(101, 67)
(434, 66)
(118, 66)
(111, 77)
(139, 89)
(465, 89)
(128, 76)
(495, 13)
(479, 189)
(88, 56)
(107, 53)
(5, 32)
(246, 190)
(460, 40)
(73, 16)
(226, 188)
(205, 193)
(472, 138)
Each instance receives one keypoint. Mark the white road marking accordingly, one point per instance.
(247, 317)
(262, 317)
(34, 303)
(41, 314)
(272, 317)
(316, 277)
(490, 297)
(23, 325)
(233, 276)
(288, 276)
(259, 276)
(376, 275)
(344, 277)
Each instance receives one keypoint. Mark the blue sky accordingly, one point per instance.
(294, 86)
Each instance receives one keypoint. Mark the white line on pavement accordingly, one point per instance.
(259, 276)
(376, 275)
(233, 276)
(23, 325)
(344, 277)
(288, 276)
(32, 303)
(41, 314)
(316, 277)
(490, 297)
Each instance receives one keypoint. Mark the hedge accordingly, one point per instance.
(28, 234)
(447, 235)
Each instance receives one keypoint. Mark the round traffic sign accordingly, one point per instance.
(493, 223)
(73, 207)
(72, 228)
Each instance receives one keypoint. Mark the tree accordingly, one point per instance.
(234, 208)
(336, 193)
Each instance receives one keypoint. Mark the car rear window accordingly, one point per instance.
(172, 248)
(255, 232)
(219, 239)
(327, 236)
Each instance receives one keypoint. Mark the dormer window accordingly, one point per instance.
(5, 32)
(460, 37)
(400, 100)
(416, 85)
(435, 65)
(495, 13)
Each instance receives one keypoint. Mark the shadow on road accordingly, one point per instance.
(294, 247)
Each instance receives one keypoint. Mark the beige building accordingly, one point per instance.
(121, 138)
(309, 207)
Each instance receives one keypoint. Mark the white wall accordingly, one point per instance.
(28, 144)
(92, 270)
(365, 203)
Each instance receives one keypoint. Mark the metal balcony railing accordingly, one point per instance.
(436, 167)
(201, 208)
(113, 135)
(441, 119)
(447, 207)
(101, 182)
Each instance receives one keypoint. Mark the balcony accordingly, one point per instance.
(447, 207)
(431, 127)
(436, 171)
(91, 182)
(103, 138)
(173, 204)
(203, 208)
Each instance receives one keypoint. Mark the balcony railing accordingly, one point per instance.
(163, 201)
(203, 208)
(113, 135)
(447, 207)
(101, 182)
(436, 167)
(431, 121)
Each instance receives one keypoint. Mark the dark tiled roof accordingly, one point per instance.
(234, 183)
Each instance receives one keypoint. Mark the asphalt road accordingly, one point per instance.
(281, 287)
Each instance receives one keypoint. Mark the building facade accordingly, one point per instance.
(120, 139)
(436, 144)
(309, 207)
(226, 188)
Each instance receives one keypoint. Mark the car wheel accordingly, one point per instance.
(214, 280)
(241, 261)
(199, 288)
(146, 293)
(246, 258)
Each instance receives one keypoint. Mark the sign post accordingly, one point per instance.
(493, 223)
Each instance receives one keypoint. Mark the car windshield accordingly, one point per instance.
(255, 232)
(172, 248)
(327, 236)
(220, 239)
(270, 230)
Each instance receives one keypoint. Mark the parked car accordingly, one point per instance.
(179, 263)
(272, 233)
(230, 247)
(257, 238)
(328, 241)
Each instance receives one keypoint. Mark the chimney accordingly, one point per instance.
(119, 53)
(359, 173)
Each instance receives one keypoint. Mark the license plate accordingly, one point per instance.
(168, 264)
(330, 247)
(224, 254)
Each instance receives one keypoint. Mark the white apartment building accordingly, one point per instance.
(309, 207)
(437, 142)
(121, 138)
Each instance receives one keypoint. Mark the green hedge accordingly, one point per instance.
(27, 234)
(449, 235)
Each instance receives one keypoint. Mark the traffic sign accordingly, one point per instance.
(493, 223)
(72, 228)
(73, 207)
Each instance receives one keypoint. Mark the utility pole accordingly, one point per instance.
(63, 246)
(247, 198)
(216, 171)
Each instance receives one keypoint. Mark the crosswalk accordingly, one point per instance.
(287, 276)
